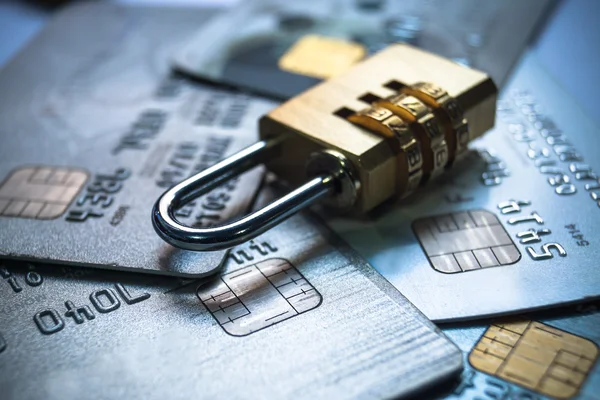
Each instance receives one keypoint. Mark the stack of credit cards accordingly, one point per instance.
(89, 142)
(95, 127)
(295, 313)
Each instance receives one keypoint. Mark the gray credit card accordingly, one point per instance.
(94, 128)
(547, 355)
(295, 313)
(512, 227)
(270, 47)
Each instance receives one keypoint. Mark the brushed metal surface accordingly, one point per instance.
(93, 93)
(352, 335)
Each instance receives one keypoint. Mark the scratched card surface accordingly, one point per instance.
(94, 129)
(281, 48)
(294, 314)
(512, 227)
(552, 354)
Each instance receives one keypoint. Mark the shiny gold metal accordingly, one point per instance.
(420, 88)
(335, 56)
(448, 111)
(353, 142)
(427, 128)
(537, 356)
(403, 142)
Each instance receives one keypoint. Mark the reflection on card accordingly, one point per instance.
(258, 296)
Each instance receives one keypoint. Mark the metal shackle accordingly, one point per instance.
(331, 177)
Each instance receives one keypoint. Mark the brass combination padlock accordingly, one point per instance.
(378, 131)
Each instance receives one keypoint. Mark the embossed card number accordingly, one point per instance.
(475, 239)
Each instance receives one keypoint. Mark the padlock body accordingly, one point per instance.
(320, 117)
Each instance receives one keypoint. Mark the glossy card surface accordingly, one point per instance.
(94, 128)
(512, 227)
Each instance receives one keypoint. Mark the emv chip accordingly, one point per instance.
(40, 192)
(258, 296)
(536, 356)
(465, 241)
(321, 57)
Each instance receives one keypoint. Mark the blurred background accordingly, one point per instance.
(567, 44)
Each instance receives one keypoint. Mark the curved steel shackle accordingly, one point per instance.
(246, 228)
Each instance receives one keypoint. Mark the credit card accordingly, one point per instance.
(281, 48)
(295, 313)
(94, 128)
(538, 356)
(513, 227)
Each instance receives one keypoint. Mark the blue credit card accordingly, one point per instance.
(513, 227)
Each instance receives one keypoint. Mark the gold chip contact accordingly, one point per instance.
(536, 356)
(321, 57)
(40, 192)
